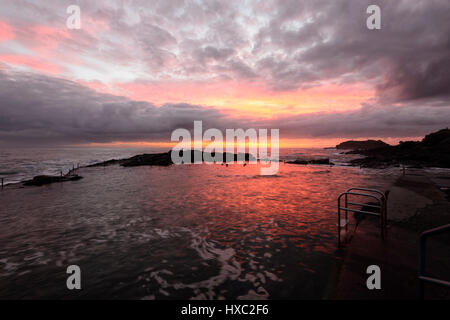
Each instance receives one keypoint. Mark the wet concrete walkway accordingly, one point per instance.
(397, 255)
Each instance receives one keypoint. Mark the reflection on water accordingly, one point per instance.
(190, 231)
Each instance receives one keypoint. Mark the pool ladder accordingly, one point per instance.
(422, 278)
(346, 204)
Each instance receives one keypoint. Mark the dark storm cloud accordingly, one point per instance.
(42, 109)
(282, 44)
(285, 44)
(323, 40)
(369, 121)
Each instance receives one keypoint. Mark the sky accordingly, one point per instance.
(137, 70)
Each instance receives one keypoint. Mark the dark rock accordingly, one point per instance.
(321, 161)
(45, 179)
(157, 159)
(314, 161)
(298, 161)
(41, 180)
(432, 151)
(362, 145)
(165, 159)
(223, 157)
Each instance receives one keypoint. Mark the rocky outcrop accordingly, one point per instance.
(321, 161)
(432, 151)
(298, 161)
(45, 179)
(165, 159)
(157, 159)
(325, 161)
(362, 145)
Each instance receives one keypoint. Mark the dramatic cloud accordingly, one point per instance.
(286, 44)
(323, 40)
(310, 68)
(41, 109)
(369, 121)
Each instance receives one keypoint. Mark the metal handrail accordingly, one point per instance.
(422, 255)
(361, 194)
(382, 206)
(360, 211)
(383, 212)
(364, 204)
(368, 190)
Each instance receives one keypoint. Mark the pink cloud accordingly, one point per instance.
(6, 32)
(44, 39)
(48, 47)
(30, 62)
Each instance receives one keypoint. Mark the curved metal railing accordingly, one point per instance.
(381, 207)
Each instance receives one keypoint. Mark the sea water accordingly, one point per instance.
(189, 231)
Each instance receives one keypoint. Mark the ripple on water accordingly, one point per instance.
(179, 232)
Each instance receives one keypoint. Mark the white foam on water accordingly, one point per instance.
(229, 269)
(259, 294)
(9, 267)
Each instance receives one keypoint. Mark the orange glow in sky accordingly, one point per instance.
(283, 143)
(241, 99)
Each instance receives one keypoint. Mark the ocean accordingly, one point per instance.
(188, 231)
(19, 164)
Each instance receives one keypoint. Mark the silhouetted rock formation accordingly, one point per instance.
(157, 159)
(432, 151)
(321, 161)
(165, 159)
(44, 179)
(362, 145)
(314, 161)
(298, 161)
